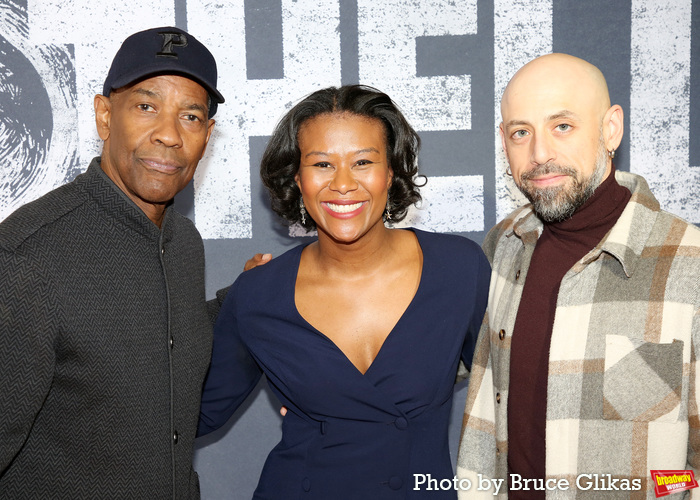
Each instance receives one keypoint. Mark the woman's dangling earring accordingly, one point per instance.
(302, 209)
(387, 211)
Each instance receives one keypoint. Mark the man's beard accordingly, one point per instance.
(558, 203)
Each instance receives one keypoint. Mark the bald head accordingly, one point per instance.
(559, 76)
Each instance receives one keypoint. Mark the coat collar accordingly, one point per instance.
(118, 206)
(624, 242)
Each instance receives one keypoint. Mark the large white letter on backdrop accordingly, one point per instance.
(311, 46)
(660, 105)
(387, 60)
(517, 40)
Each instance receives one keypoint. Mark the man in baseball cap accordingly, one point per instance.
(104, 333)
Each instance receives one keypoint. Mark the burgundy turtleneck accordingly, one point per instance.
(560, 246)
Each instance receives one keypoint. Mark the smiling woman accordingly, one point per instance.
(361, 331)
(344, 175)
(281, 160)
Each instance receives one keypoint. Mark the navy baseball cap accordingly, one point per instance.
(164, 51)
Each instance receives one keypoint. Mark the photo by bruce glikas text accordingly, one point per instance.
(584, 482)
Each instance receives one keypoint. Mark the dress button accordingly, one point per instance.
(306, 484)
(176, 437)
(162, 250)
(395, 482)
(502, 334)
(498, 397)
(517, 275)
(171, 342)
(401, 423)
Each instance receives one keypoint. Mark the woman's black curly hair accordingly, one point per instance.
(280, 162)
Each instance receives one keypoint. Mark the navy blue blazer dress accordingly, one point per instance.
(348, 435)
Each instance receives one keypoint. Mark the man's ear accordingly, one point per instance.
(613, 127)
(103, 115)
(502, 133)
(210, 129)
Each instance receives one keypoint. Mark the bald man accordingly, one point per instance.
(584, 376)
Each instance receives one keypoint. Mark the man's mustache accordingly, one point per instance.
(548, 168)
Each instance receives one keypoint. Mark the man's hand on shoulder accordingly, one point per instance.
(258, 259)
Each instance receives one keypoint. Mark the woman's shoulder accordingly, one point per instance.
(451, 257)
(453, 262)
(276, 270)
(448, 244)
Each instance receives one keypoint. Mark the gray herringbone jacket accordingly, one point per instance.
(104, 343)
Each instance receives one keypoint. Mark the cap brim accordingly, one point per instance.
(143, 73)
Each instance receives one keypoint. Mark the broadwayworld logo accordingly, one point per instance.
(672, 481)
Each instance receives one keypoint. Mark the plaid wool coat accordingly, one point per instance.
(622, 394)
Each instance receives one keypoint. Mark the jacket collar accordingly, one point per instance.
(119, 207)
(625, 241)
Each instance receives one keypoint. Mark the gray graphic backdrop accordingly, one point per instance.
(445, 62)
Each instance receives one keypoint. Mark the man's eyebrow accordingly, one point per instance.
(565, 113)
(562, 114)
(515, 123)
(156, 95)
(146, 92)
(197, 107)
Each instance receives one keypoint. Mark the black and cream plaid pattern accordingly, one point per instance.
(622, 394)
